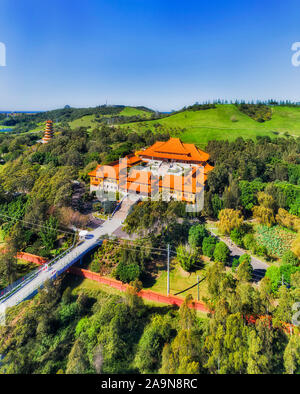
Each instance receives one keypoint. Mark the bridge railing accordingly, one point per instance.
(17, 285)
(71, 259)
(23, 280)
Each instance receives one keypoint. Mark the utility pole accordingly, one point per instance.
(168, 273)
(198, 288)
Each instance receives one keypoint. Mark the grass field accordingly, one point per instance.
(180, 280)
(90, 120)
(132, 111)
(88, 286)
(85, 121)
(204, 125)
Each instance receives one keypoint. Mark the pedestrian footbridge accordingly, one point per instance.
(28, 286)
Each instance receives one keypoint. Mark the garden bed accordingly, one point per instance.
(276, 239)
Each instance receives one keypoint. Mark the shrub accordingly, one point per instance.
(67, 296)
(95, 266)
(264, 215)
(249, 241)
(235, 264)
(261, 250)
(68, 312)
(245, 269)
(221, 252)
(208, 246)
(128, 272)
(290, 258)
(197, 234)
(236, 235)
(187, 259)
(273, 274)
(229, 219)
(279, 274)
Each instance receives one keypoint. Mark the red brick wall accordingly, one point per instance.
(147, 294)
(31, 258)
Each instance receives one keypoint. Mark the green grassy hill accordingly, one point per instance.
(223, 122)
(90, 120)
(77, 117)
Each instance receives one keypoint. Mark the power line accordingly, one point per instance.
(140, 246)
(35, 224)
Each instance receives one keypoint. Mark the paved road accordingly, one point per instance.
(259, 266)
(108, 228)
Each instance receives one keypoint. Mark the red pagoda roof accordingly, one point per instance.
(176, 150)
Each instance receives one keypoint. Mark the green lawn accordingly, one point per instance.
(180, 280)
(85, 121)
(92, 287)
(132, 111)
(204, 125)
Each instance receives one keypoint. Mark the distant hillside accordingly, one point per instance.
(196, 124)
(76, 117)
(129, 114)
(225, 121)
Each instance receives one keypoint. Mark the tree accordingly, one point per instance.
(8, 265)
(229, 219)
(155, 335)
(221, 252)
(283, 312)
(266, 200)
(186, 257)
(290, 258)
(266, 293)
(236, 235)
(257, 360)
(231, 195)
(196, 235)
(182, 356)
(67, 296)
(48, 233)
(187, 315)
(292, 355)
(217, 205)
(245, 269)
(273, 273)
(264, 212)
(264, 215)
(227, 346)
(77, 360)
(128, 272)
(285, 219)
(296, 246)
(208, 246)
(215, 274)
(235, 264)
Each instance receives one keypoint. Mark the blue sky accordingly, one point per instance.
(163, 54)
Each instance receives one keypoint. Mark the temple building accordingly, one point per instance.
(172, 169)
(48, 135)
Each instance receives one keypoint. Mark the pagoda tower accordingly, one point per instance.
(48, 132)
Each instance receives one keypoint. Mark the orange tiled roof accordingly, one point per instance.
(176, 150)
(131, 161)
